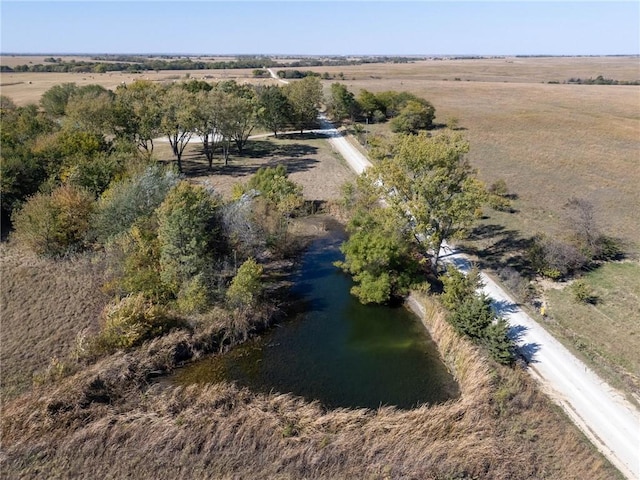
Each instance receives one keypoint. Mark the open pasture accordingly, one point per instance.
(549, 142)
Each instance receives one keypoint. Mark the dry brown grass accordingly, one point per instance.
(511, 69)
(108, 421)
(105, 422)
(549, 142)
(45, 305)
(27, 87)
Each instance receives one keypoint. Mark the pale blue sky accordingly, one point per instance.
(322, 27)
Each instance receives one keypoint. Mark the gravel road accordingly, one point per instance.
(608, 420)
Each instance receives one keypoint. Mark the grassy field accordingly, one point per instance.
(46, 304)
(607, 332)
(309, 159)
(108, 421)
(548, 142)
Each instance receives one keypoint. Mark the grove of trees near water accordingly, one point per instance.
(78, 173)
(189, 273)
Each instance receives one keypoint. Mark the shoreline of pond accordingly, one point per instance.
(365, 344)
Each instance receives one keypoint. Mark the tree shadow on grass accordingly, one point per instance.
(507, 248)
(294, 156)
(306, 135)
(266, 148)
(238, 168)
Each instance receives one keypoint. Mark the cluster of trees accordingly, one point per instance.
(174, 248)
(407, 112)
(86, 135)
(133, 63)
(470, 313)
(401, 211)
(600, 80)
(62, 142)
(582, 246)
(297, 74)
(429, 192)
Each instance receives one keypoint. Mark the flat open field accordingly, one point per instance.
(549, 142)
(510, 69)
(607, 332)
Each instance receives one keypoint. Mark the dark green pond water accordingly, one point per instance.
(337, 351)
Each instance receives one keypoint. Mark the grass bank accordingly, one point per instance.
(110, 420)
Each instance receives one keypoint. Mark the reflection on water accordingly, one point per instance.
(337, 351)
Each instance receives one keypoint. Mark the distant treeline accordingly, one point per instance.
(117, 63)
(599, 80)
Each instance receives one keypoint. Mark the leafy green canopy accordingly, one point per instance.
(471, 314)
(187, 228)
(430, 187)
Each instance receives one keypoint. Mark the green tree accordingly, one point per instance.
(274, 109)
(246, 287)
(305, 97)
(369, 104)
(21, 171)
(139, 261)
(56, 223)
(54, 101)
(91, 110)
(179, 116)
(377, 254)
(413, 117)
(239, 120)
(473, 316)
(342, 103)
(195, 86)
(498, 343)
(138, 113)
(209, 123)
(431, 188)
(273, 183)
(187, 231)
(457, 286)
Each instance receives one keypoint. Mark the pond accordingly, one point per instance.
(336, 350)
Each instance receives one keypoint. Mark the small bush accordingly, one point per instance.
(499, 196)
(130, 321)
(194, 296)
(518, 285)
(608, 248)
(583, 293)
(246, 287)
(555, 259)
(139, 261)
(55, 224)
